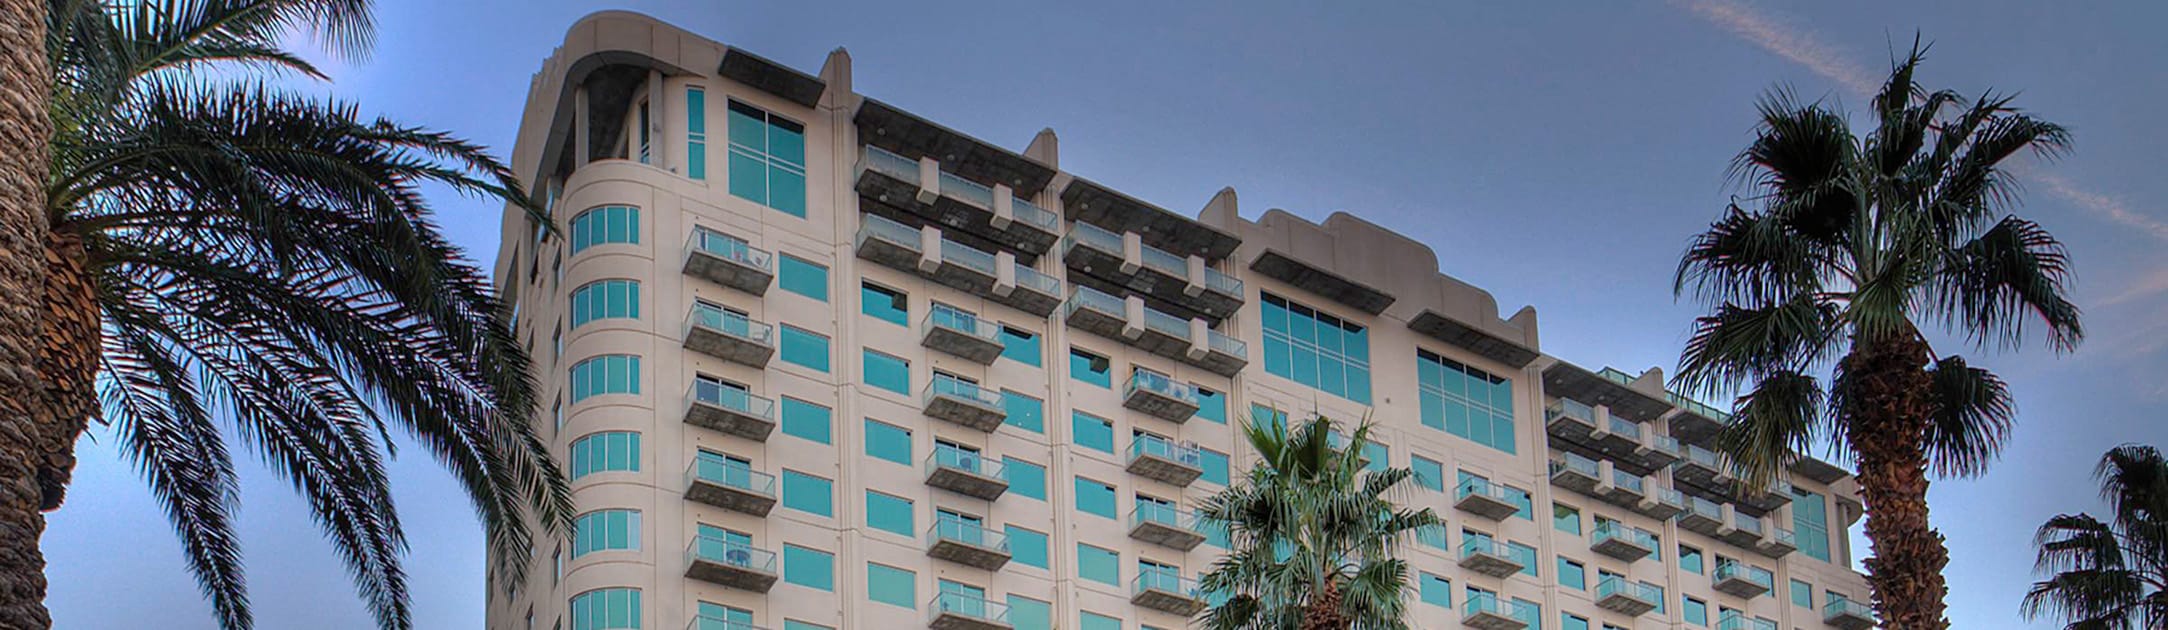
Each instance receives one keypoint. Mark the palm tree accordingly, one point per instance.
(2113, 575)
(24, 133)
(222, 259)
(1846, 248)
(1313, 535)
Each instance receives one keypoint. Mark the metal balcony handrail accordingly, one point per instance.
(948, 528)
(953, 458)
(714, 318)
(716, 394)
(1164, 448)
(1149, 380)
(967, 322)
(715, 469)
(711, 548)
(729, 248)
(945, 385)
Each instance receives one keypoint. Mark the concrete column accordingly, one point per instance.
(1200, 336)
(580, 115)
(1132, 252)
(1132, 315)
(1602, 420)
(929, 249)
(1004, 273)
(1604, 475)
(929, 180)
(1196, 276)
(1730, 515)
(1004, 206)
(658, 147)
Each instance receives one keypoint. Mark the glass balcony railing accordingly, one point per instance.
(716, 394)
(1164, 515)
(1226, 345)
(715, 318)
(945, 385)
(965, 256)
(966, 532)
(1033, 215)
(1619, 585)
(1748, 524)
(1030, 278)
(1482, 603)
(1164, 262)
(1704, 508)
(1667, 444)
(1697, 408)
(1577, 410)
(1222, 283)
(1148, 380)
(1577, 464)
(1784, 537)
(1839, 606)
(1628, 428)
(906, 169)
(729, 248)
(968, 605)
(1614, 530)
(882, 228)
(1699, 456)
(1616, 376)
(953, 458)
(1735, 620)
(719, 550)
(1628, 481)
(1669, 496)
(1159, 260)
(966, 322)
(1735, 570)
(881, 161)
(1166, 582)
(1095, 237)
(1477, 486)
(1155, 446)
(1091, 299)
(1482, 546)
(1166, 324)
(971, 192)
(715, 469)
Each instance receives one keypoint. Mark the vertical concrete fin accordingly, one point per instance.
(1221, 211)
(836, 73)
(929, 180)
(1046, 148)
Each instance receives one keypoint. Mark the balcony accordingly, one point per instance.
(1703, 472)
(1166, 591)
(730, 563)
(1743, 580)
(965, 403)
(965, 472)
(728, 336)
(1847, 614)
(1661, 503)
(1735, 620)
(998, 277)
(729, 261)
(1743, 530)
(1165, 526)
(945, 199)
(1482, 498)
(1779, 543)
(1631, 445)
(729, 485)
(1184, 281)
(1616, 540)
(1701, 467)
(1160, 396)
(1160, 459)
(967, 543)
(729, 410)
(1701, 516)
(961, 611)
(1483, 611)
(1130, 322)
(1617, 594)
(1488, 557)
(1576, 473)
(961, 333)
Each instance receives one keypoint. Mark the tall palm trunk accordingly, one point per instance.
(1890, 406)
(25, 130)
(67, 362)
(1325, 611)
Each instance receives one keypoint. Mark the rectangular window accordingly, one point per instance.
(1429, 474)
(1098, 565)
(1025, 478)
(805, 420)
(1088, 620)
(1660, 596)
(1214, 464)
(885, 304)
(1211, 405)
(1435, 590)
(1802, 594)
(1027, 547)
(1464, 401)
(890, 585)
(696, 133)
(804, 348)
(1310, 347)
(1377, 457)
(888, 442)
(809, 494)
(609, 451)
(1690, 559)
(1023, 412)
(1095, 498)
(1092, 432)
(802, 277)
(887, 372)
(1566, 518)
(1030, 614)
(890, 514)
(809, 568)
(1020, 346)
(606, 374)
(1091, 368)
(1694, 611)
(767, 159)
(1572, 575)
(606, 609)
(1570, 621)
(1525, 555)
(1810, 523)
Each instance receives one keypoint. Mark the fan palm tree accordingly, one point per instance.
(1313, 535)
(2109, 575)
(1846, 249)
(219, 259)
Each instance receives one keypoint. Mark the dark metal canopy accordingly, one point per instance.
(771, 77)
(899, 132)
(1567, 380)
(1098, 205)
(1310, 278)
(1470, 338)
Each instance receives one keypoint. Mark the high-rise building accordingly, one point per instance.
(813, 361)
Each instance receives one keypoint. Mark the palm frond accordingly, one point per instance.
(2013, 273)
(1772, 426)
(1972, 420)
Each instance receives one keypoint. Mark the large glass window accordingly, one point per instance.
(696, 133)
(1435, 590)
(1690, 559)
(606, 530)
(890, 585)
(889, 442)
(605, 299)
(889, 513)
(805, 420)
(1211, 405)
(1028, 546)
(1088, 367)
(1094, 498)
(804, 348)
(1025, 478)
(1566, 518)
(1310, 347)
(1020, 346)
(1098, 565)
(809, 494)
(606, 609)
(767, 159)
(1092, 432)
(1810, 523)
(604, 225)
(1694, 611)
(800, 276)
(1023, 412)
(1088, 620)
(1802, 594)
(1465, 401)
(1572, 575)
(608, 451)
(1214, 464)
(810, 568)
(1030, 614)
(887, 372)
(885, 304)
(606, 374)
(1429, 474)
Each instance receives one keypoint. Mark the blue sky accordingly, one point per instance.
(1556, 155)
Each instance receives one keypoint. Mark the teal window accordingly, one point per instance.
(804, 348)
(805, 420)
(1025, 478)
(606, 374)
(802, 277)
(1694, 611)
(1810, 523)
(1660, 596)
(1030, 614)
(1465, 401)
(1091, 368)
(1098, 565)
(890, 514)
(1572, 575)
(605, 299)
(1216, 535)
(1690, 559)
(1020, 346)
(1566, 518)
(1377, 457)
(606, 609)
(809, 494)
(1310, 347)
(696, 137)
(1570, 621)
(1214, 464)
(719, 617)
(1523, 554)
(1802, 594)
(1435, 590)
(1093, 497)
(793, 624)
(609, 451)
(1092, 432)
(1428, 473)
(888, 442)
(885, 304)
(1023, 412)
(605, 530)
(887, 372)
(890, 585)
(767, 159)
(1528, 612)
(1088, 620)
(1263, 416)
(1027, 547)
(810, 568)
(1433, 537)
(1211, 405)
(605, 225)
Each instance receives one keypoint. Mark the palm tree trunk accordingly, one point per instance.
(1889, 407)
(25, 129)
(1324, 611)
(67, 362)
